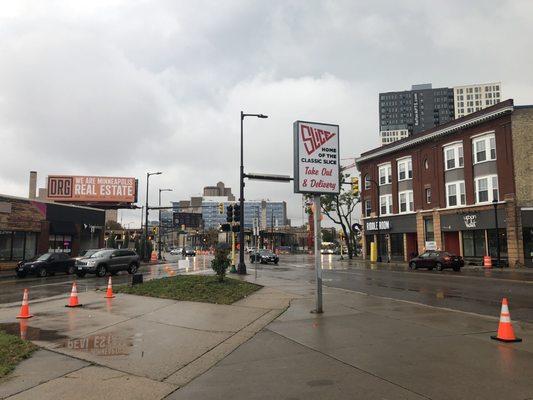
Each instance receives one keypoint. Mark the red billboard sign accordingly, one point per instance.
(93, 189)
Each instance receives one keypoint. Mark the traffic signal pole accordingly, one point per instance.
(241, 269)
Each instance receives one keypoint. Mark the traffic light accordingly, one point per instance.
(237, 212)
(226, 227)
(229, 213)
(236, 228)
(154, 230)
(221, 208)
(355, 185)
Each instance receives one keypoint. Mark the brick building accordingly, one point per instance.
(29, 227)
(443, 187)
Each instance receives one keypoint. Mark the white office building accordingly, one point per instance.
(387, 137)
(472, 98)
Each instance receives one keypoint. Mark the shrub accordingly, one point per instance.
(221, 262)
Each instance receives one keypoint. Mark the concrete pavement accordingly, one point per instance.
(369, 347)
(130, 346)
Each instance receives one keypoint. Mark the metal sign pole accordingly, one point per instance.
(318, 259)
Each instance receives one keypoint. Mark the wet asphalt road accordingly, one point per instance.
(479, 292)
(11, 289)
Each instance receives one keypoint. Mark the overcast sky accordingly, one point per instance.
(118, 88)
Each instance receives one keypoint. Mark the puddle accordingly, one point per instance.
(27, 332)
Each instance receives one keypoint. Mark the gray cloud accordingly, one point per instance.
(122, 87)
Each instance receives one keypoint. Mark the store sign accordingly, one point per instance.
(470, 220)
(431, 245)
(373, 225)
(92, 189)
(316, 158)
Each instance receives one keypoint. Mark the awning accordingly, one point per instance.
(62, 228)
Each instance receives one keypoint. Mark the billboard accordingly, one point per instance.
(316, 158)
(91, 189)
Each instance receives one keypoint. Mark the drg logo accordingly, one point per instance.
(60, 186)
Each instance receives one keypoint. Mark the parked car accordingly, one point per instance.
(110, 260)
(188, 251)
(86, 254)
(46, 264)
(437, 259)
(264, 257)
(176, 252)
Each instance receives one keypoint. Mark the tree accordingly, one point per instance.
(339, 208)
(111, 243)
(126, 239)
(221, 262)
(113, 226)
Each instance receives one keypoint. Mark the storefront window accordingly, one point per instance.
(428, 228)
(18, 246)
(31, 245)
(474, 243)
(60, 243)
(5, 245)
(493, 244)
(396, 243)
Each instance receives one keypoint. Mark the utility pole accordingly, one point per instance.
(148, 174)
(159, 257)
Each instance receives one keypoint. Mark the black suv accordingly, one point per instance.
(46, 264)
(264, 257)
(110, 260)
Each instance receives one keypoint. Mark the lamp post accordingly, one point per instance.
(378, 217)
(159, 231)
(495, 204)
(241, 268)
(148, 174)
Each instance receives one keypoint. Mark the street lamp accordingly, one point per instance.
(495, 204)
(159, 232)
(241, 268)
(148, 174)
(378, 216)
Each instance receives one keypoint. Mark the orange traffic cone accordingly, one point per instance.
(505, 329)
(109, 294)
(73, 302)
(25, 309)
(23, 329)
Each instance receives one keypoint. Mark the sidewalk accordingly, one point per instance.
(362, 347)
(129, 347)
(366, 347)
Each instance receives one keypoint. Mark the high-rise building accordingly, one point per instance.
(408, 112)
(267, 214)
(471, 98)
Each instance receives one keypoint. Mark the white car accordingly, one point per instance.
(176, 251)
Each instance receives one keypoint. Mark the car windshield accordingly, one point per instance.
(44, 257)
(101, 253)
(266, 253)
(88, 253)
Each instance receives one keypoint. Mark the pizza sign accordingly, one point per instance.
(316, 158)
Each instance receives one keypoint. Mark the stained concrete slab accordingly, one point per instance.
(148, 348)
(448, 367)
(301, 309)
(271, 367)
(128, 305)
(43, 366)
(97, 383)
(341, 331)
(205, 316)
(267, 298)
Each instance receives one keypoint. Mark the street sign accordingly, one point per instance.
(316, 172)
(316, 158)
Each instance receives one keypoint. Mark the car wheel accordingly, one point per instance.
(439, 266)
(276, 262)
(456, 269)
(114, 273)
(70, 270)
(80, 274)
(412, 265)
(43, 273)
(21, 274)
(101, 270)
(132, 268)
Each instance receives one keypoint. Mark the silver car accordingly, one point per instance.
(108, 261)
